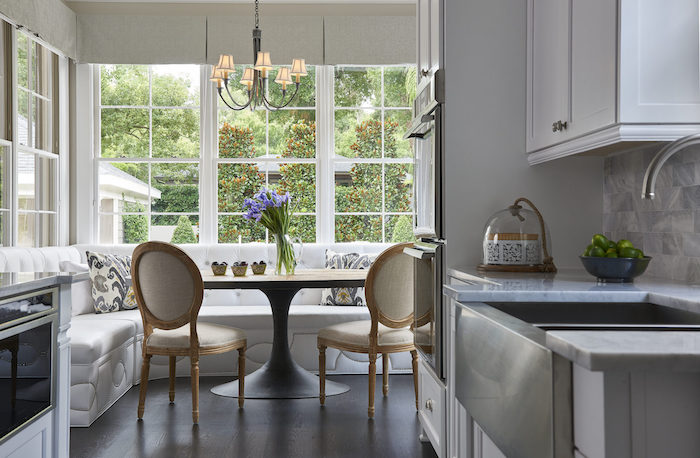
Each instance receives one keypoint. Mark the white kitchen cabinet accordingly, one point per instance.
(605, 75)
(429, 44)
(431, 407)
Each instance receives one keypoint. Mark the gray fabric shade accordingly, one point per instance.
(370, 40)
(51, 19)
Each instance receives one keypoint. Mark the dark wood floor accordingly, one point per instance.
(264, 428)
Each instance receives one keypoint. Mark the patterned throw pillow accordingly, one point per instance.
(108, 274)
(346, 296)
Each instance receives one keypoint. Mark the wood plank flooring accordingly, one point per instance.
(264, 428)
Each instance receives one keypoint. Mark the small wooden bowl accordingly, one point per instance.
(258, 269)
(239, 271)
(219, 269)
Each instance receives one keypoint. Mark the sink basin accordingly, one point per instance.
(601, 316)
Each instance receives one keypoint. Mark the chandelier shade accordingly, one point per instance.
(255, 79)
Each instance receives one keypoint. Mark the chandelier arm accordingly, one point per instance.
(236, 107)
(231, 96)
(283, 104)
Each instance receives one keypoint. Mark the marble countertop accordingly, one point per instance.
(595, 350)
(12, 283)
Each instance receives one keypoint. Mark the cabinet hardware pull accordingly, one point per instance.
(559, 126)
(429, 405)
(425, 72)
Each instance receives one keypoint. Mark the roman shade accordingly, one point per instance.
(51, 19)
(372, 40)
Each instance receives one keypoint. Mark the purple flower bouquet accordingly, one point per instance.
(273, 210)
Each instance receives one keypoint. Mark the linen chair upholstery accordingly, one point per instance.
(389, 293)
(169, 291)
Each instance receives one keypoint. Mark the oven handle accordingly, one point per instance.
(418, 254)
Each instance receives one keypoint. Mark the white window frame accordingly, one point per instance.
(325, 159)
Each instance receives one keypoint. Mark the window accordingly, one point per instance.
(372, 163)
(274, 149)
(37, 150)
(149, 155)
(338, 149)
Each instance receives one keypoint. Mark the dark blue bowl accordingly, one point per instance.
(615, 270)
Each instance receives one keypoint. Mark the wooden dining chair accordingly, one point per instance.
(389, 294)
(169, 290)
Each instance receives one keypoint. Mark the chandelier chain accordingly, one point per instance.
(257, 19)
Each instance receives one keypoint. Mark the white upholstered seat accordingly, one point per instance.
(210, 336)
(356, 333)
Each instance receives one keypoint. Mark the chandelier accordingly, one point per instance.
(255, 79)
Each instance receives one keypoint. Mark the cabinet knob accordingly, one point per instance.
(424, 72)
(559, 126)
(429, 405)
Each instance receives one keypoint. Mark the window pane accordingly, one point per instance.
(23, 121)
(125, 132)
(398, 186)
(123, 187)
(4, 182)
(22, 60)
(4, 221)
(399, 86)
(235, 183)
(43, 77)
(241, 134)
(304, 227)
(238, 91)
(358, 188)
(175, 85)
(41, 124)
(35, 182)
(292, 133)
(175, 229)
(124, 85)
(175, 133)
(398, 229)
(35, 229)
(358, 133)
(123, 229)
(358, 86)
(175, 189)
(306, 97)
(299, 180)
(5, 79)
(396, 123)
(351, 228)
(235, 229)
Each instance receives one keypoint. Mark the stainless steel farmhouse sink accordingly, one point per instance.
(600, 316)
(514, 386)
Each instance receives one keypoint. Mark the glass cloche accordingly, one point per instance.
(515, 239)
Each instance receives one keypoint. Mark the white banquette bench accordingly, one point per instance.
(106, 348)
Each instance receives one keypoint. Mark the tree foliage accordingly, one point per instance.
(183, 232)
(135, 227)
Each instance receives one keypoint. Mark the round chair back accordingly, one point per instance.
(167, 284)
(389, 287)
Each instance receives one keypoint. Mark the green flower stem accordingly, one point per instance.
(285, 254)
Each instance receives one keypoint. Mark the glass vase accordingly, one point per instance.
(285, 254)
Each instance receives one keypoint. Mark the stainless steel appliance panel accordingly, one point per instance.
(515, 388)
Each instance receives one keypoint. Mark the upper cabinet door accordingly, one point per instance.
(424, 38)
(548, 72)
(659, 68)
(593, 65)
(435, 31)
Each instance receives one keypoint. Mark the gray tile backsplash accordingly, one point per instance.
(666, 228)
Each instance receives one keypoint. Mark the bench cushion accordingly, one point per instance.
(93, 338)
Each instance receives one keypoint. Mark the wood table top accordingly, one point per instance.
(302, 278)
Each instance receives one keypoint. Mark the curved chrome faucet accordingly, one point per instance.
(661, 158)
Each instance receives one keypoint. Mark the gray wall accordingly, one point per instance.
(666, 228)
(486, 167)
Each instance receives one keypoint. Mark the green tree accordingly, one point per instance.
(403, 230)
(135, 227)
(183, 232)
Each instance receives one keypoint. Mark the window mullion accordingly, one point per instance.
(325, 189)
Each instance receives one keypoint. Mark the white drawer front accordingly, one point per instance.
(431, 401)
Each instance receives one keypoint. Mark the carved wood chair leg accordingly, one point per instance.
(241, 377)
(372, 380)
(145, 368)
(171, 392)
(385, 374)
(195, 388)
(322, 373)
(414, 357)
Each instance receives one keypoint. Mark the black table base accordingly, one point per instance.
(281, 377)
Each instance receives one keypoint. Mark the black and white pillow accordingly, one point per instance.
(346, 296)
(108, 275)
